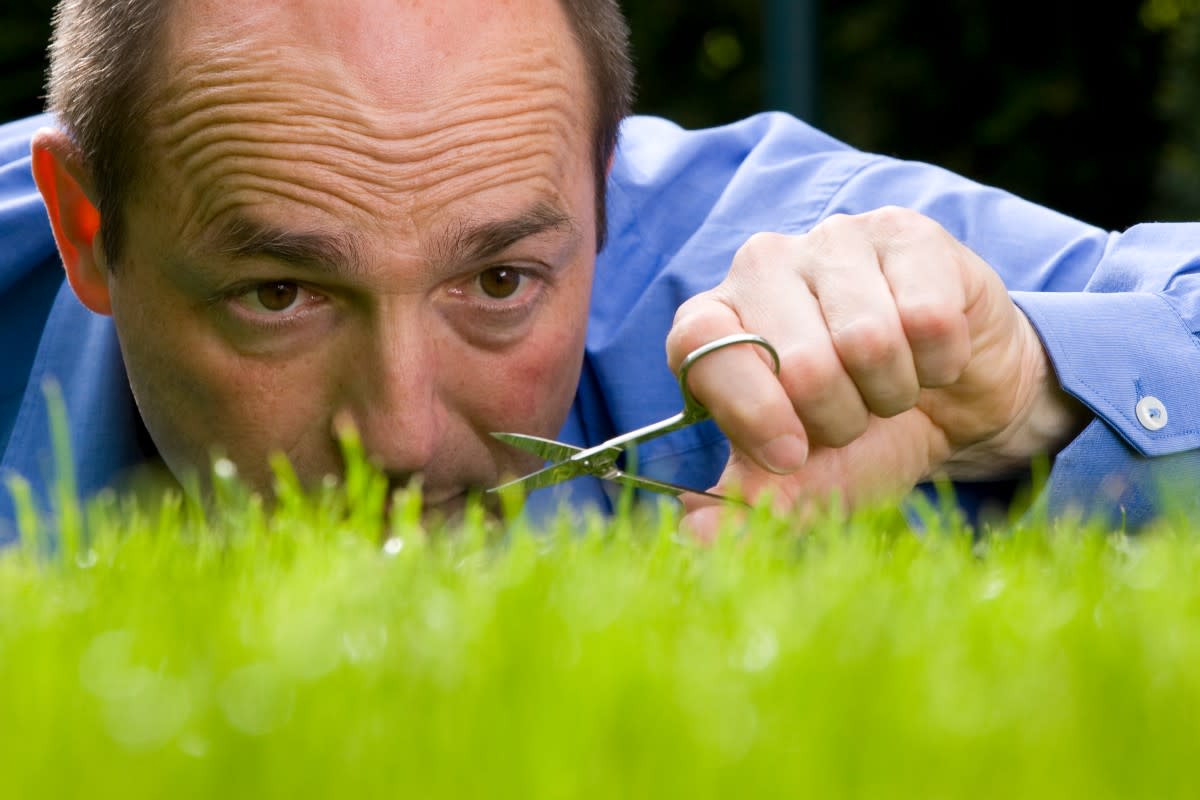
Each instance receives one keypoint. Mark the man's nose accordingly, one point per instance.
(393, 399)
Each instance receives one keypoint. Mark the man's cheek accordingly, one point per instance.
(543, 383)
(243, 408)
(264, 404)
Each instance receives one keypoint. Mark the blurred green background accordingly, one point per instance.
(1090, 108)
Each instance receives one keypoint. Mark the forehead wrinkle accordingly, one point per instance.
(231, 89)
(500, 177)
(252, 195)
(238, 133)
(496, 139)
(205, 82)
(230, 163)
(503, 160)
(456, 171)
(419, 138)
(462, 164)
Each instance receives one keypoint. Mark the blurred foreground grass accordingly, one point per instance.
(317, 650)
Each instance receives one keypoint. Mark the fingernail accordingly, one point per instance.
(784, 454)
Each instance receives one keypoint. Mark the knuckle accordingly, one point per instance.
(807, 377)
(689, 308)
(697, 322)
(928, 321)
(837, 223)
(892, 216)
(866, 345)
(759, 250)
(835, 228)
(697, 303)
(897, 222)
(764, 241)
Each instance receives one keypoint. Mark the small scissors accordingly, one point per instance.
(570, 462)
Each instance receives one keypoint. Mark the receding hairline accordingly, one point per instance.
(108, 119)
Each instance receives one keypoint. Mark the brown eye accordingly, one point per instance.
(277, 296)
(500, 283)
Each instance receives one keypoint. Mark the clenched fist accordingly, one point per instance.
(902, 357)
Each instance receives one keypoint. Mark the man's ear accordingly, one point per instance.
(65, 187)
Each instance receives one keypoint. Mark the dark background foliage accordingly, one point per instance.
(1090, 108)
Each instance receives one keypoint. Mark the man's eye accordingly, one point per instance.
(273, 298)
(500, 283)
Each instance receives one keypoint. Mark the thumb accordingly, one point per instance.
(820, 486)
(743, 482)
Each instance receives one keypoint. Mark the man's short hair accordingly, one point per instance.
(102, 77)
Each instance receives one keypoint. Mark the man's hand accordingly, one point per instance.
(902, 357)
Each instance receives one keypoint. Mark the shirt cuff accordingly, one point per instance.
(1099, 477)
(1129, 357)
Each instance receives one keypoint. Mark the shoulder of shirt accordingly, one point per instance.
(26, 242)
(16, 135)
(647, 139)
(769, 172)
(681, 203)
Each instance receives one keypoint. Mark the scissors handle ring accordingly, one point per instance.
(693, 409)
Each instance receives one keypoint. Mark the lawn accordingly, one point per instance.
(318, 649)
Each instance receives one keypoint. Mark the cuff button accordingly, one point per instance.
(1152, 413)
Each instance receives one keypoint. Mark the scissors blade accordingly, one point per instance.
(672, 489)
(547, 449)
(600, 463)
(566, 469)
(555, 473)
(639, 436)
(693, 410)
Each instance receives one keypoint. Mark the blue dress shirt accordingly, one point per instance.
(1118, 313)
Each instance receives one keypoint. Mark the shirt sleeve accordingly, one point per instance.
(1126, 347)
(30, 272)
(1118, 314)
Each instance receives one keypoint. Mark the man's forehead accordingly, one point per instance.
(327, 106)
(400, 44)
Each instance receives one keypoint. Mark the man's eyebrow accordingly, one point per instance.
(465, 242)
(243, 237)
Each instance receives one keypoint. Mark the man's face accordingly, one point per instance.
(378, 211)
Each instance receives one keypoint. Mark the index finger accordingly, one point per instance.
(705, 350)
(738, 386)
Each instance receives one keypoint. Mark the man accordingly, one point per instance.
(291, 214)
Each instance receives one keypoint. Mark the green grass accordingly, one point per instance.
(164, 650)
